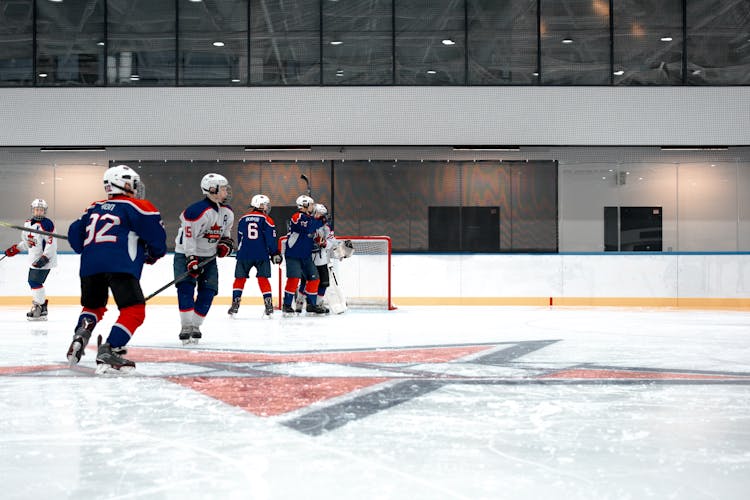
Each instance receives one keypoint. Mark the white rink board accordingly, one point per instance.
(522, 275)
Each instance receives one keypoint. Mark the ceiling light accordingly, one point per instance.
(336, 42)
(567, 40)
(696, 72)
(135, 77)
(619, 72)
(218, 44)
(431, 72)
(235, 80)
(535, 73)
(448, 41)
(666, 39)
(42, 75)
(100, 44)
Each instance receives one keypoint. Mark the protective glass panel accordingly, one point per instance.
(502, 39)
(16, 45)
(718, 44)
(285, 42)
(213, 42)
(70, 42)
(575, 42)
(647, 42)
(358, 42)
(430, 42)
(141, 46)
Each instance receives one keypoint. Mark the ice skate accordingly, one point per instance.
(235, 306)
(195, 335)
(268, 304)
(185, 334)
(316, 309)
(287, 311)
(38, 312)
(299, 302)
(80, 340)
(107, 361)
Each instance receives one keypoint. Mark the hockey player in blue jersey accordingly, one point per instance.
(205, 233)
(115, 237)
(256, 244)
(42, 257)
(299, 263)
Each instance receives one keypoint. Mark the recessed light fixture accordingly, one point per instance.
(336, 42)
(448, 41)
(56, 1)
(535, 73)
(431, 72)
(196, 1)
(218, 44)
(666, 39)
(567, 40)
(42, 75)
(235, 80)
(619, 72)
(100, 44)
(135, 77)
(696, 72)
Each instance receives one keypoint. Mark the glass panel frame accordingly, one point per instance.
(16, 43)
(142, 40)
(285, 43)
(647, 42)
(502, 42)
(70, 43)
(575, 42)
(430, 40)
(212, 43)
(358, 42)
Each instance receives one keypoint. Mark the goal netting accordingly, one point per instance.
(365, 277)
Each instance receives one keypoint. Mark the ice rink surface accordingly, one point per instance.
(417, 403)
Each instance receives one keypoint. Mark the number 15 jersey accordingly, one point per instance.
(114, 235)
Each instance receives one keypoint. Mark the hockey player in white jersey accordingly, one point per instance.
(205, 233)
(326, 252)
(42, 257)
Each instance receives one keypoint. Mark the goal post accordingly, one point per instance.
(364, 278)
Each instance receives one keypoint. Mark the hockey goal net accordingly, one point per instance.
(364, 278)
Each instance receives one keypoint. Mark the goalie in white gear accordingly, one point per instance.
(326, 252)
(42, 257)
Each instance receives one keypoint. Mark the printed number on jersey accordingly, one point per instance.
(101, 235)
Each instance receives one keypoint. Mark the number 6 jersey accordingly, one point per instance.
(114, 235)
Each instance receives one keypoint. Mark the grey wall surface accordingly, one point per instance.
(375, 116)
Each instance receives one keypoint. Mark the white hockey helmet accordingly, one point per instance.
(320, 210)
(122, 179)
(211, 183)
(304, 201)
(38, 209)
(261, 202)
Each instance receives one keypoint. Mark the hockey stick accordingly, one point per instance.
(32, 230)
(1, 258)
(307, 181)
(179, 278)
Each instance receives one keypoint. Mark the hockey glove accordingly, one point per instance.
(149, 259)
(224, 247)
(12, 251)
(41, 262)
(277, 259)
(192, 267)
(348, 249)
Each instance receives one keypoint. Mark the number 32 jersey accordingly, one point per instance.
(114, 235)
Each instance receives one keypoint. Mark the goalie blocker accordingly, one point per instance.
(360, 282)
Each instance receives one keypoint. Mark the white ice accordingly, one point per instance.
(548, 404)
